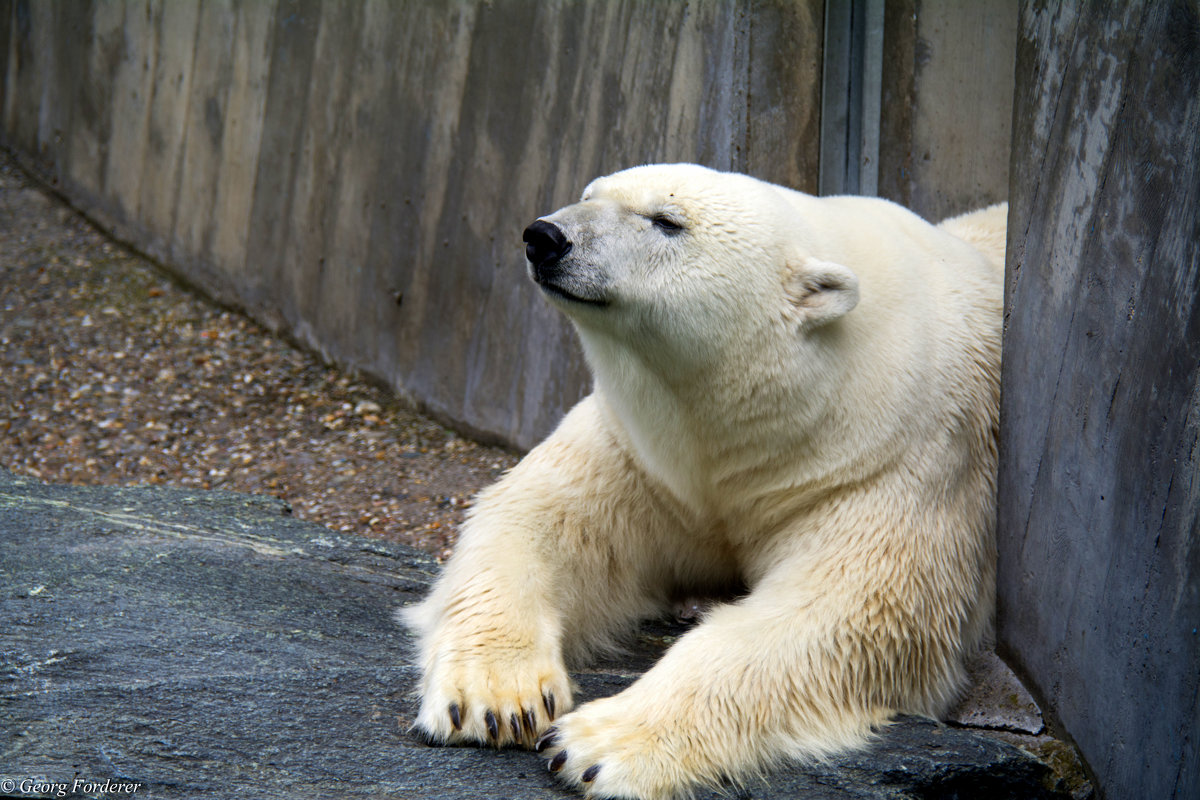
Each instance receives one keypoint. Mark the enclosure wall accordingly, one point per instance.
(357, 175)
(1099, 580)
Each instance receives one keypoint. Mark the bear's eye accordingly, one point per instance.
(666, 224)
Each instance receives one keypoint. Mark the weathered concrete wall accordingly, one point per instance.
(1099, 579)
(917, 102)
(946, 118)
(358, 174)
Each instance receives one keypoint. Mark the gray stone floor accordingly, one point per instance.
(207, 644)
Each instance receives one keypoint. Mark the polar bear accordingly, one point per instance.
(794, 395)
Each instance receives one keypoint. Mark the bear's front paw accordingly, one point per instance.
(496, 696)
(609, 750)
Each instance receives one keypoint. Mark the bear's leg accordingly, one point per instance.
(557, 559)
(797, 669)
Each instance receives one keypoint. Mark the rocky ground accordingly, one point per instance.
(111, 373)
(200, 644)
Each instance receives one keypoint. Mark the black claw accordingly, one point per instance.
(557, 762)
(530, 720)
(515, 723)
(547, 739)
(548, 702)
(489, 719)
(590, 773)
(455, 717)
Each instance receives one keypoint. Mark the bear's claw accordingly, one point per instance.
(556, 764)
(455, 717)
(493, 729)
(529, 720)
(547, 739)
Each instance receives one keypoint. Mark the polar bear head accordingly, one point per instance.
(702, 299)
(738, 328)
(685, 264)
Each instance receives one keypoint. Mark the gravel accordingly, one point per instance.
(112, 373)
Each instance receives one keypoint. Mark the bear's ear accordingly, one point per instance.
(821, 291)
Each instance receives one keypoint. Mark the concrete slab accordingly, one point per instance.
(996, 700)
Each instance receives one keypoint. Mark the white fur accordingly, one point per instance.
(794, 394)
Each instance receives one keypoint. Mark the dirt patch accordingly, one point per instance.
(110, 373)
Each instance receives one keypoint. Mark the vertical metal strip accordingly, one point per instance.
(835, 97)
(872, 94)
(851, 89)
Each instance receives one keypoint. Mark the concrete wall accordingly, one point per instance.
(946, 119)
(1099, 574)
(358, 174)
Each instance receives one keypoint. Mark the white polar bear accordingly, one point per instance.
(793, 394)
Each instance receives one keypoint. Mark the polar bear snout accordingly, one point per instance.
(545, 245)
(560, 278)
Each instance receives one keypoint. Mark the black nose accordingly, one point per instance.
(545, 243)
